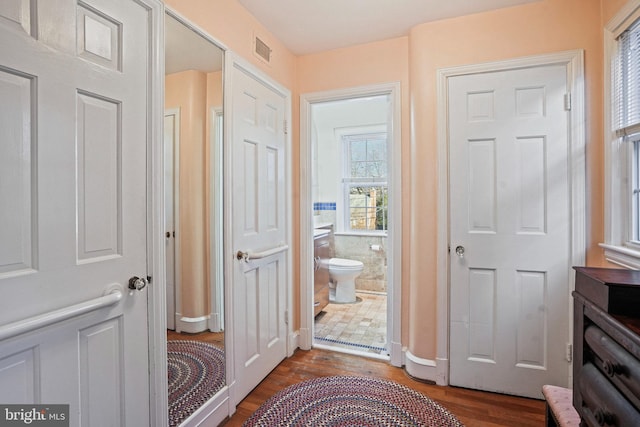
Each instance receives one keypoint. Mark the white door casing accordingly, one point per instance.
(511, 211)
(260, 224)
(171, 218)
(394, 236)
(78, 89)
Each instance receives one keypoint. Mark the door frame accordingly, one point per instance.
(219, 407)
(394, 252)
(174, 301)
(157, 292)
(234, 61)
(216, 227)
(573, 61)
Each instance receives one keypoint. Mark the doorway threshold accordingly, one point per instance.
(352, 351)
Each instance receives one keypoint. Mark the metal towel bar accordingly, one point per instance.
(40, 321)
(249, 256)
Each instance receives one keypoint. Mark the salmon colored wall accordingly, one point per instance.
(232, 25)
(379, 62)
(537, 28)
(187, 91)
(610, 8)
(228, 22)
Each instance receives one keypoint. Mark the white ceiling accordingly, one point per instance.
(308, 26)
(187, 50)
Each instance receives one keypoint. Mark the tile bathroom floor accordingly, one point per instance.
(361, 327)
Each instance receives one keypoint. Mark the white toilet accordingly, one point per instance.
(343, 273)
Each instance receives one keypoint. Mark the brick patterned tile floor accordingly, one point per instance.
(361, 326)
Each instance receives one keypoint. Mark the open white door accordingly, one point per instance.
(510, 229)
(74, 125)
(260, 226)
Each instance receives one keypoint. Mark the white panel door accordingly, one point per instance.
(510, 230)
(259, 225)
(74, 113)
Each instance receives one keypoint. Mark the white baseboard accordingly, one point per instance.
(192, 325)
(294, 342)
(420, 368)
(305, 340)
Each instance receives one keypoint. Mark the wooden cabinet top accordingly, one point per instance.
(615, 291)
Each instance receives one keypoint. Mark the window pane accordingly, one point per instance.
(359, 169)
(627, 78)
(377, 149)
(358, 150)
(368, 207)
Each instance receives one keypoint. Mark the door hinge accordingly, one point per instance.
(286, 317)
(569, 355)
(567, 101)
(284, 126)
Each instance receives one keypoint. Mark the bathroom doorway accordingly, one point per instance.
(350, 218)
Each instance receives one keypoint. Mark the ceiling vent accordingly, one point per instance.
(262, 50)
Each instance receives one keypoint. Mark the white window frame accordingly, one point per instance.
(619, 247)
(342, 203)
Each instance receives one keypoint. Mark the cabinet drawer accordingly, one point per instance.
(320, 299)
(622, 369)
(602, 404)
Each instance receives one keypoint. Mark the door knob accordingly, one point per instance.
(460, 251)
(137, 283)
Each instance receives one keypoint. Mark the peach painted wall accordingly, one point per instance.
(537, 28)
(232, 25)
(228, 22)
(610, 8)
(187, 91)
(379, 62)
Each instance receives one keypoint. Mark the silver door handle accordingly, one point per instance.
(460, 251)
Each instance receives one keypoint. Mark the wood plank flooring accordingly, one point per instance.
(473, 408)
(215, 338)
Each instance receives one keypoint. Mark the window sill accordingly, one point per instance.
(625, 257)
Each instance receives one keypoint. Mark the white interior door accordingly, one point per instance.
(171, 142)
(510, 216)
(74, 113)
(259, 228)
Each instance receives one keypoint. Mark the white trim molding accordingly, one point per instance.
(191, 325)
(418, 367)
(394, 236)
(617, 154)
(574, 63)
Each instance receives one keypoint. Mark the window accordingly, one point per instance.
(365, 182)
(622, 121)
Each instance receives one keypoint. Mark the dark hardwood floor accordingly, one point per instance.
(473, 408)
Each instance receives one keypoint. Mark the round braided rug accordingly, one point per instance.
(351, 401)
(196, 373)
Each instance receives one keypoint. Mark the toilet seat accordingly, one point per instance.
(345, 264)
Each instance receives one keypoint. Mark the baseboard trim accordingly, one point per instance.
(192, 325)
(294, 342)
(420, 368)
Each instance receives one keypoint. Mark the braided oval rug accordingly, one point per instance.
(196, 373)
(351, 401)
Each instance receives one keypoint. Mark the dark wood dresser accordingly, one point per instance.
(606, 369)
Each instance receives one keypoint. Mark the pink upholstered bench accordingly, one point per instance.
(560, 410)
